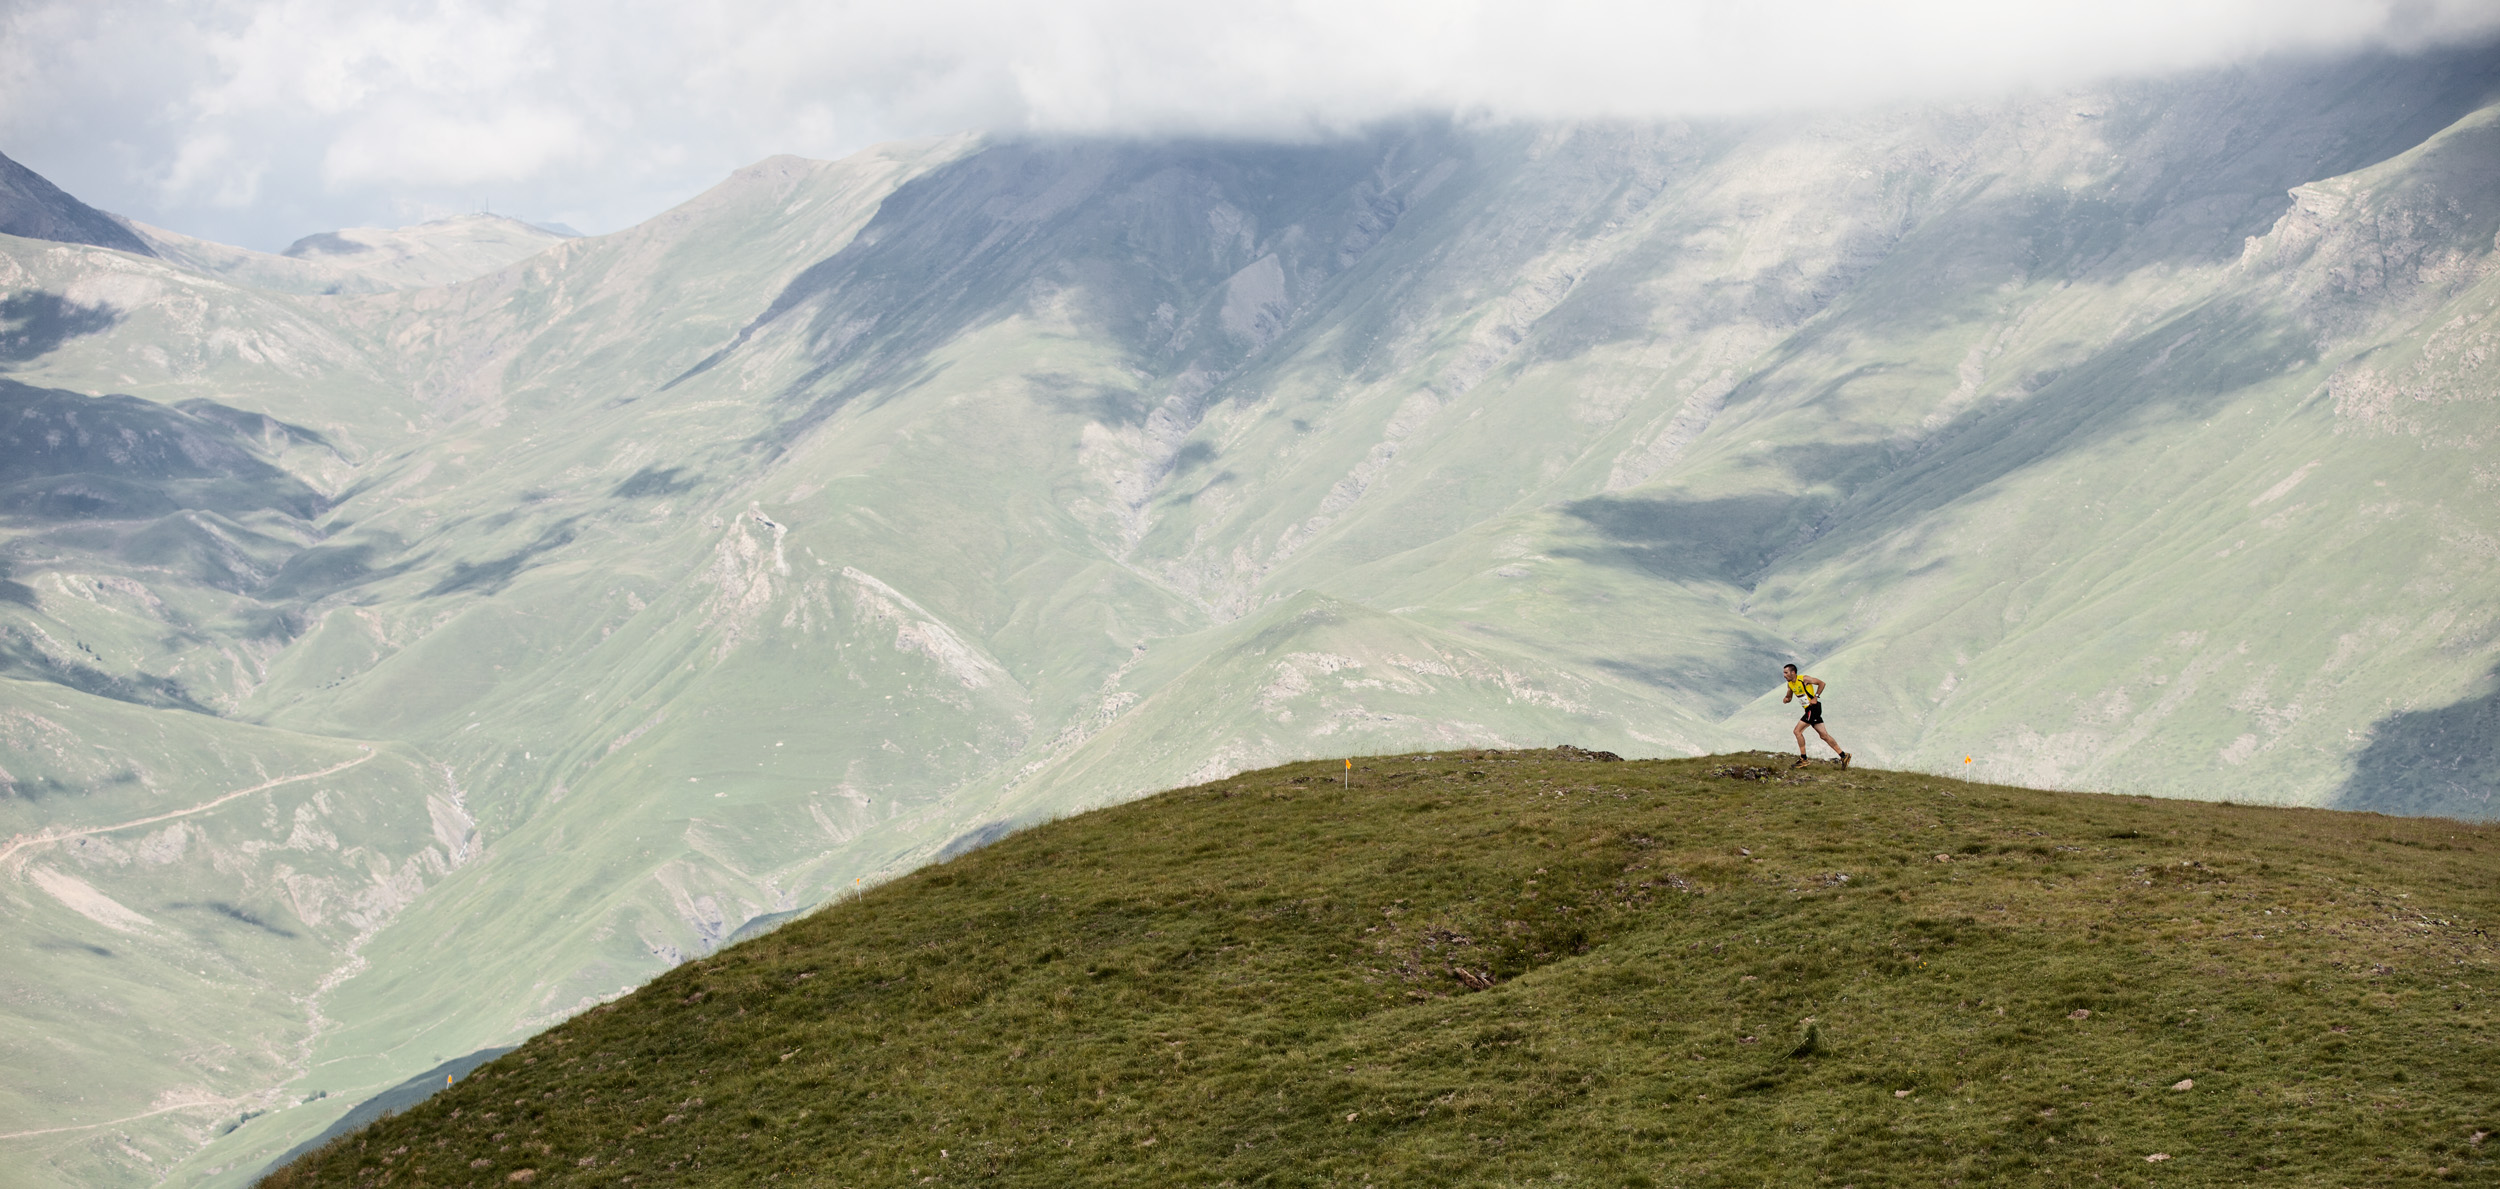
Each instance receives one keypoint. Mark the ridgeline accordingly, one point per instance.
(1499, 967)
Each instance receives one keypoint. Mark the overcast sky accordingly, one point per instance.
(257, 121)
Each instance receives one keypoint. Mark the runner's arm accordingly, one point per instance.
(1814, 687)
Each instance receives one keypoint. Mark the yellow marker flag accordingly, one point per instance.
(1965, 759)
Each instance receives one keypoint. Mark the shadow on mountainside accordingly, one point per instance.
(655, 481)
(2180, 370)
(2185, 192)
(2443, 762)
(1189, 255)
(22, 656)
(2229, 179)
(34, 324)
(227, 911)
(1726, 540)
(1194, 257)
(491, 576)
(32, 207)
(42, 787)
(184, 493)
(69, 456)
(391, 1102)
(325, 569)
(12, 591)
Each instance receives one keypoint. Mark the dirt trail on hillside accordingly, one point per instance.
(27, 841)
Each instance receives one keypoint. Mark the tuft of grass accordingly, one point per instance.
(1643, 973)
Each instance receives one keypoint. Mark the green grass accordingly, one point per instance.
(1486, 968)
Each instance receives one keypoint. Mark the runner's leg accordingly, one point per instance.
(1801, 737)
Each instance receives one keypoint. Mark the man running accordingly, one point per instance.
(1811, 689)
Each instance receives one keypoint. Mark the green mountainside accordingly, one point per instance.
(388, 675)
(1511, 967)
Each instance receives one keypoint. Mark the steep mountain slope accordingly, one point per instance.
(856, 512)
(203, 605)
(1504, 968)
(31, 207)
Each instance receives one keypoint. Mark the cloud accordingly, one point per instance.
(408, 146)
(260, 120)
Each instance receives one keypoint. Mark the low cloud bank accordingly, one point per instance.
(256, 122)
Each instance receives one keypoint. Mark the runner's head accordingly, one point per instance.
(1791, 670)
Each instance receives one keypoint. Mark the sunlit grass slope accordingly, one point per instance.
(1498, 967)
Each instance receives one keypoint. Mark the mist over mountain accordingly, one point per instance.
(394, 669)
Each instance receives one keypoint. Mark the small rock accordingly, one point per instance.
(523, 1177)
(2184, 1084)
(1901, 1094)
(2080, 1013)
(1746, 772)
(1350, 1115)
(2479, 1137)
(1944, 858)
(2157, 1158)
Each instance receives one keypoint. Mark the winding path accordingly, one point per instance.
(223, 1104)
(23, 841)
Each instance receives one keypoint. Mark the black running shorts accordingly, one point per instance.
(1814, 714)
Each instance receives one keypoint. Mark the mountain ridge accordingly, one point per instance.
(1473, 966)
(2102, 437)
(32, 207)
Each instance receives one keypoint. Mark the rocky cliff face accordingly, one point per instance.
(2129, 439)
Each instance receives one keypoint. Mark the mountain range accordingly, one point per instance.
(413, 639)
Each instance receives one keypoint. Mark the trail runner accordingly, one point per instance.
(1810, 688)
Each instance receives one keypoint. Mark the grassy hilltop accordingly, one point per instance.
(1502, 967)
(2129, 436)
